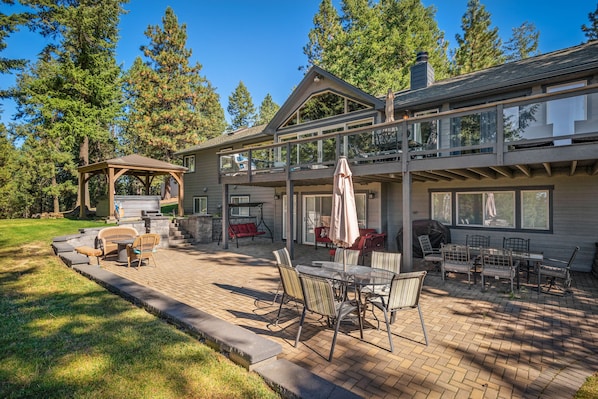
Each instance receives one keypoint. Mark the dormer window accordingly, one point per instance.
(324, 105)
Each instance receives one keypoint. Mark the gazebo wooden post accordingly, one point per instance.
(179, 178)
(111, 210)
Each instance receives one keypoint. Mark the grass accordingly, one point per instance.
(64, 336)
(589, 389)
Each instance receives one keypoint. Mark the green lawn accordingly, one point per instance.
(64, 336)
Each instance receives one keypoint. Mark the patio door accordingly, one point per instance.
(316, 212)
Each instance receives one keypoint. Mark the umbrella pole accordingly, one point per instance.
(344, 260)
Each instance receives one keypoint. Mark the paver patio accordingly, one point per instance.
(482, 344)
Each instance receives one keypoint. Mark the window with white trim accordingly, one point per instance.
(189, 163)
(200, 205)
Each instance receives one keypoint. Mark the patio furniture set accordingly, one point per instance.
(128, 245)
(336, 289)
(478, 257)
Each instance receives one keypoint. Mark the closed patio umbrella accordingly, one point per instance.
(344, 226)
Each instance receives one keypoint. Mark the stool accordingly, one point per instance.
(89, 251)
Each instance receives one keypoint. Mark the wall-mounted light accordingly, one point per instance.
(205, 189)
(234, 187)
(276, 196)
(371, 195)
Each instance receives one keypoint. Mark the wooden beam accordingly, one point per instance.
(548, 168)
(594, 169)
(503, 170)
(428, 176)
(483, 172)
(465, 173)
(525, 169)
(448, 174)
(573, 168)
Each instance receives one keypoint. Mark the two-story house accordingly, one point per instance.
(509, 151)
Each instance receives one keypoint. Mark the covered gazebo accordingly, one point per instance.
(142, 168)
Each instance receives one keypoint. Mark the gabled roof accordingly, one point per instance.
(244, 133)
(316, 80)
(505, 77)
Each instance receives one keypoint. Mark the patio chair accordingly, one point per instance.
(291, 287)
(352, 256)
(476, 242)
(455, 258)
(551, 269)
(405, 293)
(431, 255)
(282, 258)
(498, 264)
(383, 260)
(519, 245)
(144, 247)
(319, 298)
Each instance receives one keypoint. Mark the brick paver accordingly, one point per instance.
(482, 344)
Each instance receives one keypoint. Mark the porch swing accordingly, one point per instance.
(251, 229)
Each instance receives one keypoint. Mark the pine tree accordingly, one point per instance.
(480, 45)
(80, 68)
(373, 45)
(268, 109)
(171, 106)
(591, 30)
(240, 108)
(523, 43)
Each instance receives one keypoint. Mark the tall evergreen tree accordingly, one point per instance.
(591, 30)
(373, 45)
(268, 109)
(240, 108)
(85, 84)
(171, 106)
(42, 106)
(480, 46)
(523, 43)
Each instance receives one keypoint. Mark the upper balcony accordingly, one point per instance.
(541, 134)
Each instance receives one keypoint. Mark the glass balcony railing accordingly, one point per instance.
(554, 119)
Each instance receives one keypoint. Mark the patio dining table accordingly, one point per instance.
(518, 257)
(350, 275)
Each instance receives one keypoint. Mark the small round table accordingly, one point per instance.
(122, 249)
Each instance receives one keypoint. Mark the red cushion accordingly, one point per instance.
(251, 228)
(242, 228)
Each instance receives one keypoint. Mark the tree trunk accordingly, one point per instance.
(167, 189)
(55, 196)
(84, 161)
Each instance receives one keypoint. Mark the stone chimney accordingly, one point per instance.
(422, 73)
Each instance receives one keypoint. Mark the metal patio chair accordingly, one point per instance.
(431, 255)
(551, 269)
(405, 293)
(291, 287)
(282, 258)
(455, 258)
(498, 264)
(319, 298)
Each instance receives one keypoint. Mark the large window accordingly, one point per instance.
(189, 163)
(239, 199)
(535, 209)
(324, 105)
(526, 209)
(200, 205)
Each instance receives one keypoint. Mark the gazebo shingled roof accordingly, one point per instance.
(142, 168)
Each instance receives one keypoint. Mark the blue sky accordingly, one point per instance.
(260, 42)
